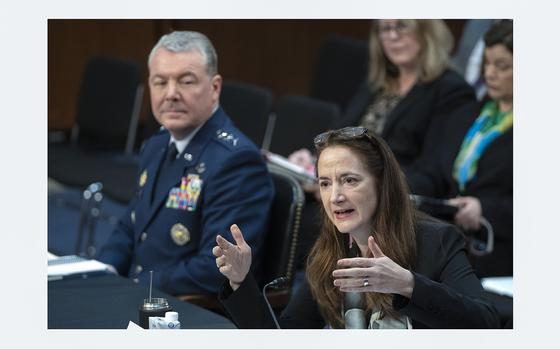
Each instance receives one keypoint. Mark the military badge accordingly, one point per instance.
(200, 168)
(180, 234)
(186, 196)
(143, 178)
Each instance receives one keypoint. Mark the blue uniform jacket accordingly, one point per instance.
(220, 180)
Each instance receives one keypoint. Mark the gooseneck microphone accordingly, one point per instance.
(277, 283)
(354, 314)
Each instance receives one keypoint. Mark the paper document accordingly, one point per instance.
(284, 164)
(72, 265)
(501, 285)
(133, 326)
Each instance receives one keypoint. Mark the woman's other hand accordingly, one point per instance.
(469, 214)
(377, 274)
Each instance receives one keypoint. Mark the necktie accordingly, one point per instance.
(171, 153)
(165, 171)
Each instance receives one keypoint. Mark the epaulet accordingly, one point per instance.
(227, 137)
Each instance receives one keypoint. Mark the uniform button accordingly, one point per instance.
(135, 280)
(138, 269)
(143, 236)
(133, 217)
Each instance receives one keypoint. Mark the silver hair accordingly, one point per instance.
(186, 41)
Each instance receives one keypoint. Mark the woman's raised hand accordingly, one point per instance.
(234, 261)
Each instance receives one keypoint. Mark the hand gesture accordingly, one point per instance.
(234, 261)
(377, 274)
(470, 211)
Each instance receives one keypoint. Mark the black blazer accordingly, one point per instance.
(413, 127)
(492, 185)
(446, 292)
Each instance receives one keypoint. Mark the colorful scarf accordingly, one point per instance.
(488, 126)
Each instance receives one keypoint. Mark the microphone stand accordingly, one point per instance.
(277, 283)
(353, 302)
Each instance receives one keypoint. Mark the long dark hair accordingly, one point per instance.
(393, 227)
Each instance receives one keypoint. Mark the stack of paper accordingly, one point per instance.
(73, 266)
(283, 164)
(500, 285)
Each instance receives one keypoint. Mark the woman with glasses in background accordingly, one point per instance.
(376, 264)
(474, 165)
(410, 90)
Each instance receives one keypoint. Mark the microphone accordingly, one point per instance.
(280, 282)
(277, 283)
(354, 314)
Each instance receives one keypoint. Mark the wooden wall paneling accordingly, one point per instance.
(278, 54)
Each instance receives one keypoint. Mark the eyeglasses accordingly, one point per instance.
(343, 133)
(399, 29)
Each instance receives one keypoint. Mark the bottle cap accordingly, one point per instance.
(171, 316)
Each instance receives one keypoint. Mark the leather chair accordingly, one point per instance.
(341, 67)
(99, 153)
(248, 105)
(296, 120)
(101, 145)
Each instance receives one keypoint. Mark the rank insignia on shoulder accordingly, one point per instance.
(143, 178)
(227, 137)
(180, 234)
(201, 167)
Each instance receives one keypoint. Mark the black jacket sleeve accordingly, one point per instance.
(447, 293)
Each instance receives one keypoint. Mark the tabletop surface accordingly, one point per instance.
(110, 302)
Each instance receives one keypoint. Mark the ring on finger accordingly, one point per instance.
(366, 283)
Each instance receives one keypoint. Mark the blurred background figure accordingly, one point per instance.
(410, 89)
(469, 54)
(474, 165)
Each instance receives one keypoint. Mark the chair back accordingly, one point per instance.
(297, 120)
(248, 106)
(109, 103)
(281, 242)
(341, 67)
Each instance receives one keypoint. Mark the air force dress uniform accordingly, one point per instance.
(170, 228)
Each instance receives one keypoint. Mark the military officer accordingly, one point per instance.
(198, 175)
